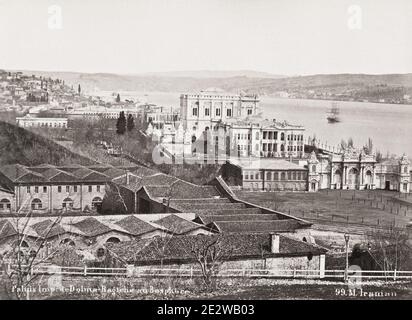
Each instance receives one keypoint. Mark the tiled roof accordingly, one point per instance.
(48, 228)
(6, 229)
(135, 226)
(238, 217)
(91, 227)
(45, 172)
(285, 225)
(182, 190)
(234, 246)
(177, 225)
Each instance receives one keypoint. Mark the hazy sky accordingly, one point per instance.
(278, 36)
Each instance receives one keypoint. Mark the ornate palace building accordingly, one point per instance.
(351, 170)
(201, 111)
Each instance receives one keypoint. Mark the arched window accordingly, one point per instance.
(314, 168)
(353, 176)
(282, 136)
(5, 204)
(97, 202)
(67, 203)
(68, 241)
(36, 204)
(100, 252)
(113, 240)
(337, 177)
(283, 176)
(282, 147)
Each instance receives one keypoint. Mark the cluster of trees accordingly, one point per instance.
(124, 124)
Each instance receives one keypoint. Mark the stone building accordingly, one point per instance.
(199, 111)
(29, 121)
(350, 170)
(47, 188)
(355, 170)
(266, 174)
(249, 252)
(89, 233)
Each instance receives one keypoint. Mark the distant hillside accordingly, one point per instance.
(215, 74)
(361, 85)
(18, 145)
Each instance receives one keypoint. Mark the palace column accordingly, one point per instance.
(361, 178)
(344, 178)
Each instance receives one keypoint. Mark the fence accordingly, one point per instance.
(227, 273)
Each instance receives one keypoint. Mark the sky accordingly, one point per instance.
(288, 37)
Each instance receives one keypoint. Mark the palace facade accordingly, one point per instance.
(200, 110)
(351, 170)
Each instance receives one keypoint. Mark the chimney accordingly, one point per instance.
(274, 242)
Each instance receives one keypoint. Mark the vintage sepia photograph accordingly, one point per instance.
(219, 150)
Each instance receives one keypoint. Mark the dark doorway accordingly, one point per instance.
(387, 185)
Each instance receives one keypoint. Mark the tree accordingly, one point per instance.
(118, 98)
(130, 123)
(368, 147)
(209, 252)
(79, 89)
(391, 249)
(121, 123)
(26, 253)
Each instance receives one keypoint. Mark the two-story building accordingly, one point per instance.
(48, 189)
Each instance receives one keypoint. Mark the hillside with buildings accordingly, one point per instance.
(385, 88)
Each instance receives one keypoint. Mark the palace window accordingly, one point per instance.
(229, 112)
(195, 112)
(44, 189)
(67, 188)
(28, 189)
(75, 188)
(36, 189)
(249, 111)
(98, 188)
(207, 112)
(67, 203)
(405, 170)
(90, 188)
(217, 112)
(59, 189)
(36, 204)
(265, 134)
(257, 135)
(5, 204)
(282, 136)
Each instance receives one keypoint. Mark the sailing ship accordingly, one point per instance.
(333, 114)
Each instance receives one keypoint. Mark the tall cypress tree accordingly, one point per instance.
(121, 123)
(118, 98)
(130, 123)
